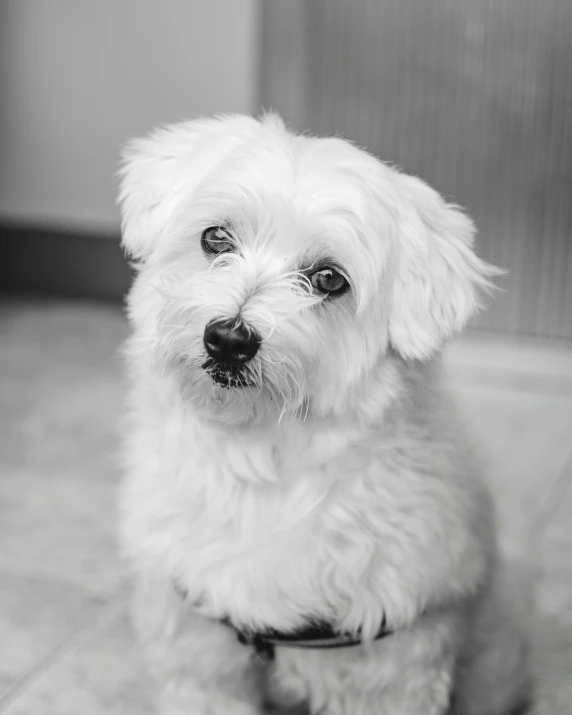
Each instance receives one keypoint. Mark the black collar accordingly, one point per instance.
(314, 635)
(317, 634)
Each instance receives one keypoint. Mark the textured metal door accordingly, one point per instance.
(475, 96)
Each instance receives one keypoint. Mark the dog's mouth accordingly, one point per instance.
(228, 376)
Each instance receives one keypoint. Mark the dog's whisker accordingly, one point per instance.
(275, 361)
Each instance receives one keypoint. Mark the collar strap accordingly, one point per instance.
(315, 635)
(319, 634)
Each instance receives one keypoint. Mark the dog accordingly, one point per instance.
(302, 508)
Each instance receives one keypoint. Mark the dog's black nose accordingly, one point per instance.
(231, 342)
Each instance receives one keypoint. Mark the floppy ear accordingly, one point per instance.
(160, 171)
(438, 279)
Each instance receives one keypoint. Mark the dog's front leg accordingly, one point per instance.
(199, 666)
(411, 672)
(420, 691)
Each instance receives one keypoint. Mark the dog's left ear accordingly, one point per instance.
(438, 279)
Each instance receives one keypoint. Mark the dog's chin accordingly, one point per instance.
(227, 376)
(221, 394)
(228, 395)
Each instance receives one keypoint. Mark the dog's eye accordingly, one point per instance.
(328, 280)
(216, 240)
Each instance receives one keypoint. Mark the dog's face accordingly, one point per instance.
(276, 271)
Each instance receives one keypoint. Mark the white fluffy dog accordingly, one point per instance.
(296, 473)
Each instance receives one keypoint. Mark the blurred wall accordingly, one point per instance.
(78, 77)
(474, 96)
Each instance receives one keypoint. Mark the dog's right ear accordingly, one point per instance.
(159, 173)
(439, 279)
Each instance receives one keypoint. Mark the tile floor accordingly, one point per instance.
(65, 645)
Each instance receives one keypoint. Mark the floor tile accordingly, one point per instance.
(36, 616)
(59, 470)
(100, 675)
(558, 535)
(552, 667)
(43, 346)
(524, 438)
(58, 525)
(67, 427)
(517, 399)
(554, 563)
(532, 362)
(61, 399)
(5, 685)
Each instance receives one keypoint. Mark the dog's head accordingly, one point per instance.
(277, 271)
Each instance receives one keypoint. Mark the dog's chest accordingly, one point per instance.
(262, 552)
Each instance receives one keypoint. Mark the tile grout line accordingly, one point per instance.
(97, 618)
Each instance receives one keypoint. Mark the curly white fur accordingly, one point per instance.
(339, 483)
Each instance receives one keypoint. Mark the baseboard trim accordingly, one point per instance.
(62, 263)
